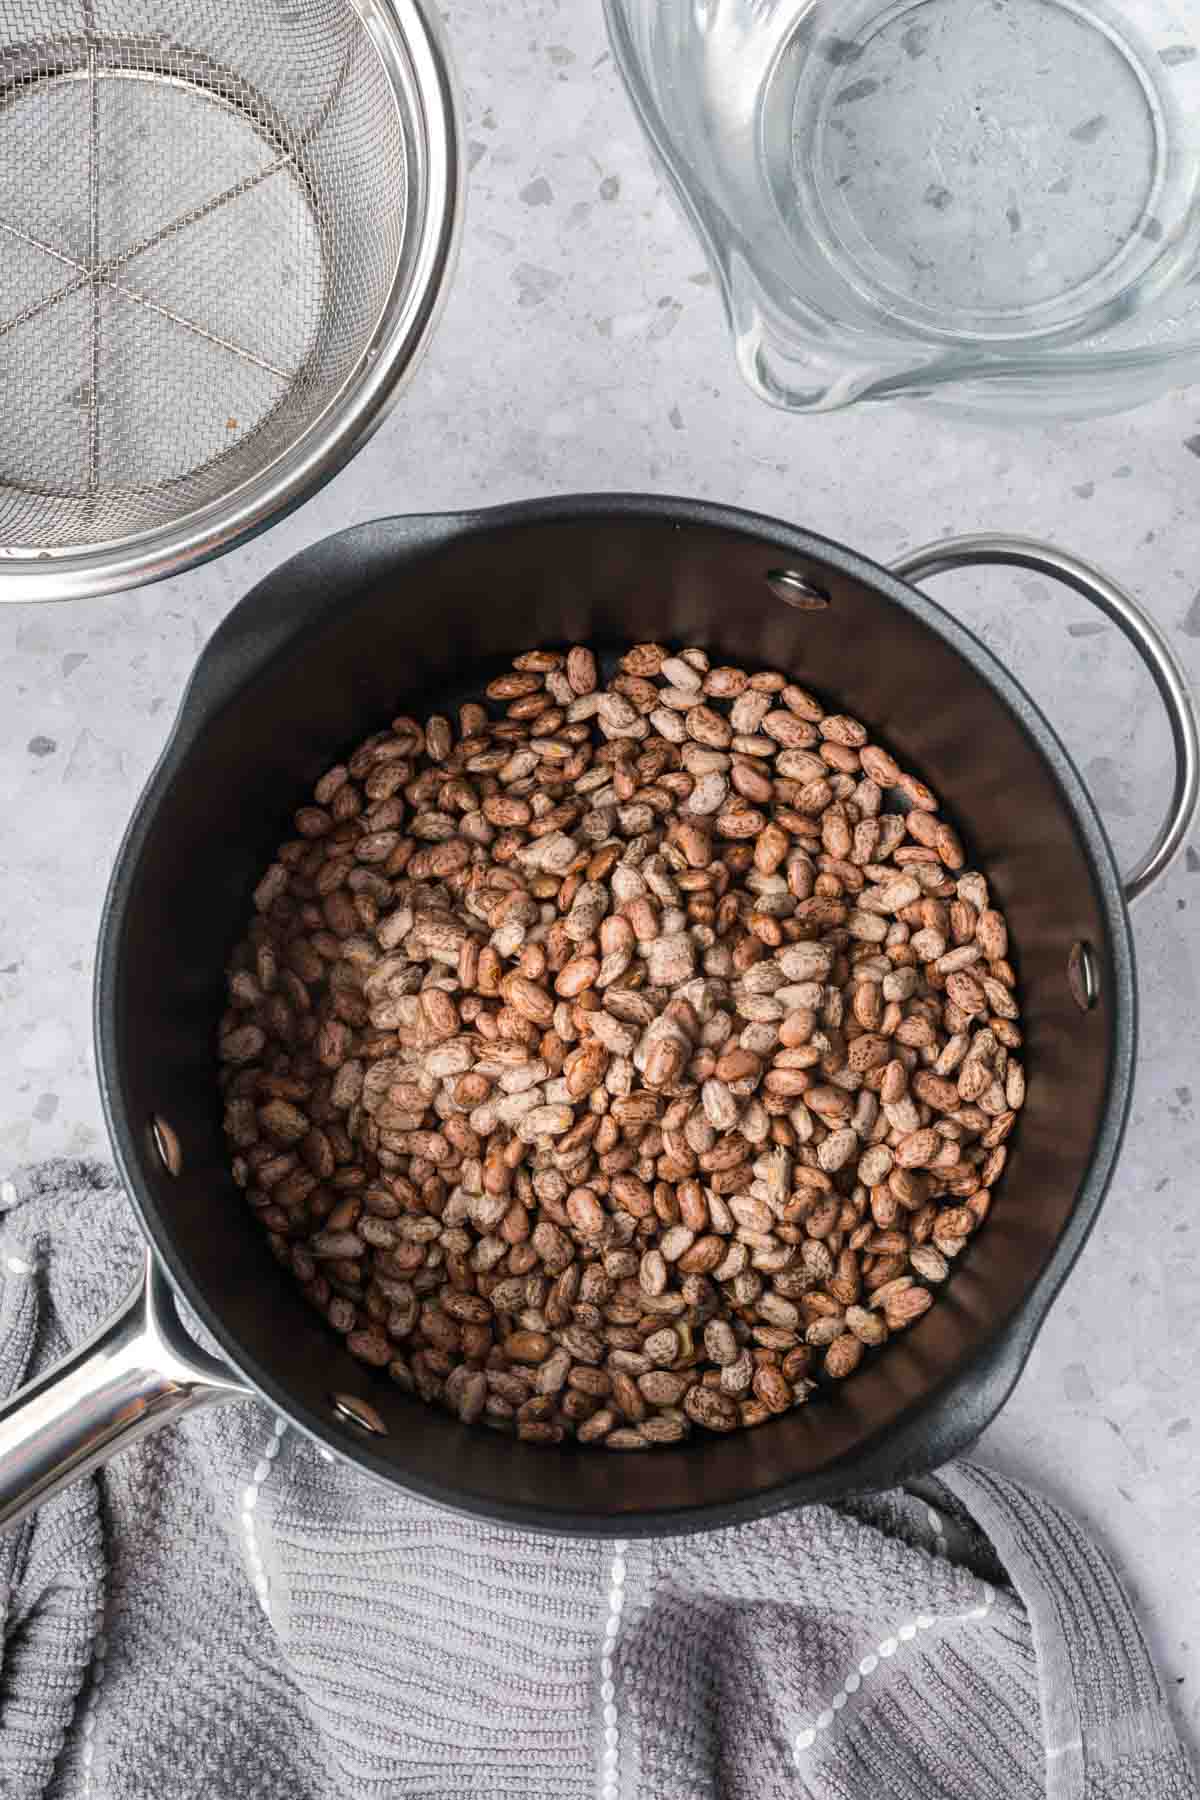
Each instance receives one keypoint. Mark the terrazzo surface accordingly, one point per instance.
(583, 349)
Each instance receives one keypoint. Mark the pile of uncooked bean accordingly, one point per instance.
(621, 1057)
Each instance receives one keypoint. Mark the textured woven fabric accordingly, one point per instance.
(224, 1613)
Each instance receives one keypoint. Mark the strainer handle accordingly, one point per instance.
(1135, 623)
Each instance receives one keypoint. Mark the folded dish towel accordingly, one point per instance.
(226, 1614)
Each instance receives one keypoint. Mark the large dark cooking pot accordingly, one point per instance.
(411, 614)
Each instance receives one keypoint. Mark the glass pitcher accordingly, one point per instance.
(991, 203)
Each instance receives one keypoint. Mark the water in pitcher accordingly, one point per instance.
(991, 170)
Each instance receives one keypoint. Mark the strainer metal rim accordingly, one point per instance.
(411, 46)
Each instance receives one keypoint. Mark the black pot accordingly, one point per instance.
(411, 615)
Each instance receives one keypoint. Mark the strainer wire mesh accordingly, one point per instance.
(202, 211)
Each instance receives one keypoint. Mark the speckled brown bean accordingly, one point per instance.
(709, 1407)
(521, 1014)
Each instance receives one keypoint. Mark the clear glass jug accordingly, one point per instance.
(988, 202)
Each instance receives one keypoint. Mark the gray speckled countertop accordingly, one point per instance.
(583, 348)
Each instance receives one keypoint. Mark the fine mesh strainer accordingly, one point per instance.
(224, 230)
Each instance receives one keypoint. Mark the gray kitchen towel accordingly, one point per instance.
(224, 1613)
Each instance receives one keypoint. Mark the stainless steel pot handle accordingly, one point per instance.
(140, 1370)
(1136, 624)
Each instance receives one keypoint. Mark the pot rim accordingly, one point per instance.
(969, 1397)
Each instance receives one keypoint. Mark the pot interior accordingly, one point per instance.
(446, 616)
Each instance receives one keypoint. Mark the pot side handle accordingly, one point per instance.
(1133, 621)
(138, 1371)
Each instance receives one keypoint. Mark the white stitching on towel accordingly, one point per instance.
(610, 1760)
(806, 1738)
(940, 1546)
(89, 1713)
(262, 1470)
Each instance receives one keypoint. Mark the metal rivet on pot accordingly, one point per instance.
(358, 1412)
(167, 1144)
(1083, 975)
(797, 591)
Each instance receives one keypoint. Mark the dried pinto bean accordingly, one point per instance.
(617, 1061)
